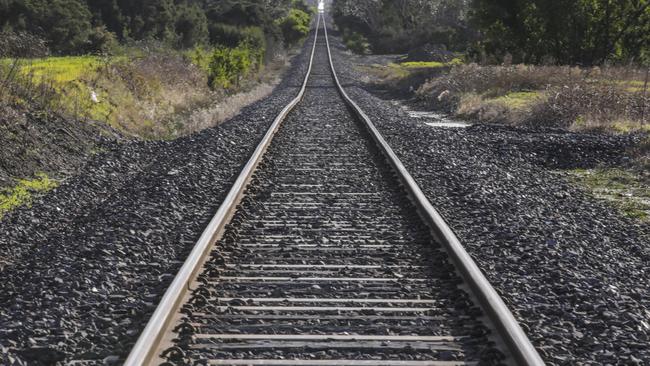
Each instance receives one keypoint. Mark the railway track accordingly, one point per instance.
(325, 252)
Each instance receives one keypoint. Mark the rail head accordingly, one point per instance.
(519, 346)
(144, 351)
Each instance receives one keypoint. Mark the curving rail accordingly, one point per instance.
(510, 333)
(514, 337)
(146, 346)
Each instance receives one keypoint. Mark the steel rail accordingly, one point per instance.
(144, 350)
(520, 347)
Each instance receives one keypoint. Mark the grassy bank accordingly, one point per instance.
(137, 94)
(171, 76)
(55, 111)
(609, 99)
(405, 76)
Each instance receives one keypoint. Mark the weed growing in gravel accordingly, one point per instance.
(627, 190)
(23, 193)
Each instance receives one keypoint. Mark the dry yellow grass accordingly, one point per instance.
(223, 110)
(610, 99)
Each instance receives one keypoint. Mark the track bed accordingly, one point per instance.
(326, 259)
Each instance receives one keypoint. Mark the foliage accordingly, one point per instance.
(295, 26)
(191, 26)
(569, 97)
(23, 192)
(264, 15)
(232, 36)
(356, 42)
(583, 32)
(228, 65)
(398, 26)
(180, 23)
(82, 26)
(567, 32)
(200, 56)
(65, 23)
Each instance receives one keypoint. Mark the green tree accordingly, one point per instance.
(228, 65)
(396, 26)
(191, 26)
(575, 31)
(66, 24)
(295, 26)
(80, 26)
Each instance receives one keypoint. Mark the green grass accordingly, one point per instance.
(74, 79)
(626, 126)
(633, 86)
(397, 71)
(60, 70)
(627, 190)
(24, 191)
(518, 100)
(616, 126)
(431, 64)
(200, 57)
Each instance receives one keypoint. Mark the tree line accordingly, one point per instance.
(572, 32)
(86, 26)
(396, 26)
(585, 32)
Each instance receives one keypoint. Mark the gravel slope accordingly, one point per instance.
(571, 268)
(62, 143)
(98, 252)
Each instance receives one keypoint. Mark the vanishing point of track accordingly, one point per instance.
(326, 252)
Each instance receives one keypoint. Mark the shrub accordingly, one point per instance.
(229, 65)
(239, 51)
(102, 41)
(191, 26)
(295, 26)
(232, 36)
(201, 56)
(559, 96)
(356, 42)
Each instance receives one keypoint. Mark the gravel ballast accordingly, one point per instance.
(572, 269)
(85, 266)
